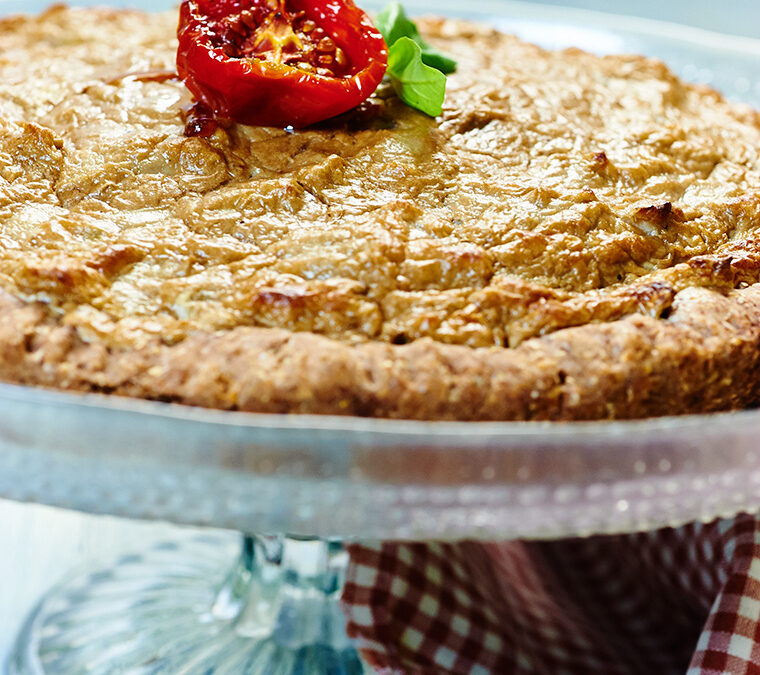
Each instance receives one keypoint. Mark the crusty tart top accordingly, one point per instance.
(576, 237)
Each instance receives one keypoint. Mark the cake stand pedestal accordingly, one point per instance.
(272, 605)
(190, 608)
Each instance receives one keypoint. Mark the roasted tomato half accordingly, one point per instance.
(279, 62)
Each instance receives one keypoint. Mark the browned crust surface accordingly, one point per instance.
(703, 358)
(615, 283)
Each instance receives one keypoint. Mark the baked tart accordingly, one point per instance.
(574, 237)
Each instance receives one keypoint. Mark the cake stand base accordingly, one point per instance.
(180, 609)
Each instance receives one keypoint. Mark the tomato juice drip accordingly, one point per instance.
(145, 76)
(200, 121)
(271, 32)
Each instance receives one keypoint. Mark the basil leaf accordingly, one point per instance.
(435, 59)
(393, 24)
(417, 84)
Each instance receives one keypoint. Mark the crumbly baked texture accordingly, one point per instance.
(576, 237)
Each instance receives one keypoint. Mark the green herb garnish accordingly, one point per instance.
(416, 70)
(393, 23)
(416, 84)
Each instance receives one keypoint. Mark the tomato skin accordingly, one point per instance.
(260, 92)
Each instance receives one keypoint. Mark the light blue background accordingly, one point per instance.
(738, 17)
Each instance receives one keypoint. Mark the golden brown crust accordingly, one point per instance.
(575, 238)
(704, 357)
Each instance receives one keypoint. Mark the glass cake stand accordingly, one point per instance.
(190, 608)
(209, 605)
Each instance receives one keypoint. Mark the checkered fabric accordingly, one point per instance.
(673, 601)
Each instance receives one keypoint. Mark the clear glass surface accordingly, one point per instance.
(359, 478)
(180, 608)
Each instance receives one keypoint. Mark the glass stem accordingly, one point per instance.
(287, 589)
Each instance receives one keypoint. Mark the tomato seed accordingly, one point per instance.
(340, 57)
(248, 18)
(237, 27)
(326, 44)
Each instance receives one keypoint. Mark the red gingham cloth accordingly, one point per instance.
(674, 601)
